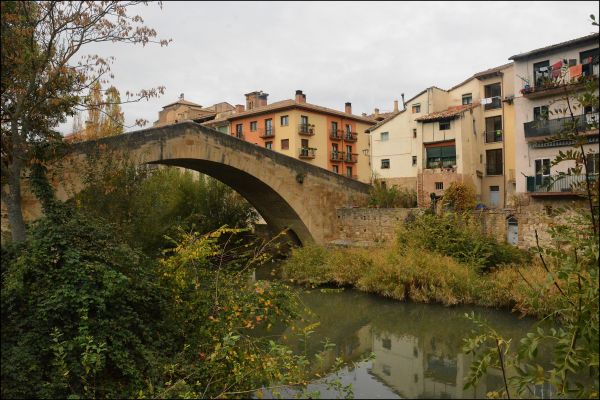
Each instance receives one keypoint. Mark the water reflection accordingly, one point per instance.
(417, 347)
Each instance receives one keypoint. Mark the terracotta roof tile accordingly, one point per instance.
(447, 113)
(593, 38)
(278, 105)
(391, 116)
(184, 102)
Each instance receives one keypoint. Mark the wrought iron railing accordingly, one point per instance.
(337, 156)
(307, 152)
(558, 183)
(350, 137)
(493, 136)
(559, 125)
(496, 103)
(306, 129)
(351, 158)
(335, 134)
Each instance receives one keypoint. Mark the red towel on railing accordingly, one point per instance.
(557, 65)
(575, 71)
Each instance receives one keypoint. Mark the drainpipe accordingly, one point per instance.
(503, 144)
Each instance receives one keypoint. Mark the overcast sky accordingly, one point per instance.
(365, 53)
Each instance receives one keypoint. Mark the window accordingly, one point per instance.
(416, 108)
(385, 136)
(268, 126)
(593, 163)
(386, 343)
(414, 133)
(444, 125)
(542, 171)
(493, 92)
(493, 129)
(439, 186)
(253, 126)
(541, 72)
(493, 159)
(238, 130)
(441, 157)
(349, 172)
(540, 113)
(303, 120)
(589, 62)
(414, 161)
(285, 120)
(285, 144)
(385, 163)
(269, 145)
(335, 169)
(334, 129)
(467, 98)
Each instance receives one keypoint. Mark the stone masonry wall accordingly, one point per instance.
(373, 226)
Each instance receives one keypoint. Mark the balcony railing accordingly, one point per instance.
(351, 158)
(335, 134)
(239, 135)
(307, 152)
(337, 156)
(350, 137)
(496, 103)
(266, 133)
(551, 87)
(493, 136)
(306, 129)
(559, 125)
(558, 183)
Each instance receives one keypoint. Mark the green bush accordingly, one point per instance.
(381, 196)
(459, 197)
(460, 237)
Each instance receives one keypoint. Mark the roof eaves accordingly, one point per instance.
(573, 42)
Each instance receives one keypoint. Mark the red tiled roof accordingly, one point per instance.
(279, 105)
(448, 113)
(184, 102)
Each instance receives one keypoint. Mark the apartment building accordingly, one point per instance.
(545, 78)
(463, 134)
(321, 136)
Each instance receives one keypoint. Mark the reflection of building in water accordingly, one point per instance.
(352, 347)
(414, 370)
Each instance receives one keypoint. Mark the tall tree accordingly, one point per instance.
(94, 105)
(113, 119)
(44, 75)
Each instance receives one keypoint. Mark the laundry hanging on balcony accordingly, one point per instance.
(575, 71)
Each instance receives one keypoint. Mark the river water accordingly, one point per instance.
(416, 347)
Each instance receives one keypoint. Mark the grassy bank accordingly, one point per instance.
(439, 260)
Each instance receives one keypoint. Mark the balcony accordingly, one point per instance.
(350, 137)
(496, 103)
(557, 184)
(239, 135)
(307, 153)
(351, 158)
(560, 125)
(547, 88)
(306, 129)
(335, 134)
(493, 136)
(337, 156)
(266, 133)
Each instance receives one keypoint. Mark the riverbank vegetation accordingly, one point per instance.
(436, 259)
(87, 314)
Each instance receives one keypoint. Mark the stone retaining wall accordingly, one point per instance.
(373, 226)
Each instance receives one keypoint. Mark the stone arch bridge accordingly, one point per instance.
(288, 193)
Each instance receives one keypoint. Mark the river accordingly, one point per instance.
(416, 347)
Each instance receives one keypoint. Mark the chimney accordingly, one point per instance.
(181, 96)
(403, 105)
(256, 99)
(376, 112)
(364, 114)
(300, 97)
(348, 108)
(395, 106)
(239, 108)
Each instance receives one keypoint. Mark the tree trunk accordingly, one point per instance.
(12, 200)
(12, 197)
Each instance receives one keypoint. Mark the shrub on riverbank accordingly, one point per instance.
(416, 275)
(458, 236)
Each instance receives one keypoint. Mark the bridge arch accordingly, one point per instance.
(288, 193)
